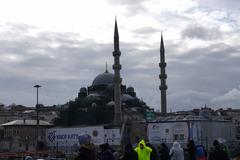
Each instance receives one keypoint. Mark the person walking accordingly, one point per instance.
(106, 153)
(164, 152)
(218, 153)
(191, 149)
(236, 152)
(154, 154)
(176, 152)
(130, 153)
(87, 149)
(143, 151)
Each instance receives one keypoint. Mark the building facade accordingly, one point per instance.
(23, 135)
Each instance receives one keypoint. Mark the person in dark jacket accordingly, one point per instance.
(164, 152)
(191, 149)
(106, 153)
(154, 154)
(87, 150)
(218, 153)
(130, 153)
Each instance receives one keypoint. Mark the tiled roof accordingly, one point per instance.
(26, 122)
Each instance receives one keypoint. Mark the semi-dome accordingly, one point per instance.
(105, 78)
(91, 98)
(126, 97)
(130, 89)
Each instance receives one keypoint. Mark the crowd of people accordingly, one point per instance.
(146, 151)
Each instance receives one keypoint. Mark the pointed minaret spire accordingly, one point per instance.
(163, 76)
(162, 49)
(106, 68)
(117, 78)
(116, 36)
(116, 29)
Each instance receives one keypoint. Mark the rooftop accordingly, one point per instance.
(26, 122)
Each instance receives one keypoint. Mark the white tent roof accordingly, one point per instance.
(27, 122)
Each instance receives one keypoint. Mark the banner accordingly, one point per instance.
(69, 136)
(112, 136)
(167, 132)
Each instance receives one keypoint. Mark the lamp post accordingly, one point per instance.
(37, 86)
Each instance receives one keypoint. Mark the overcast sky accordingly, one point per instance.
(64, 44)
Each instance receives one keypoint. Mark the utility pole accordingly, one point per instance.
(37, 105)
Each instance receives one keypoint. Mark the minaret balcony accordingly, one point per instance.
(163, 87)
(163, 76)
(116, 53)
(117, 67)
(162, 64)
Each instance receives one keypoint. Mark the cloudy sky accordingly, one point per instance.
(63, 44)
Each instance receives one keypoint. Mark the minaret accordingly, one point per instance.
(163, 76)
(117, 79)
(106, 68)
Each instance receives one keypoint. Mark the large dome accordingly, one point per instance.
(105, 78)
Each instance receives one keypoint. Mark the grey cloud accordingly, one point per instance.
(145, 32)
(229, 99)
(173, 16)
(133, 7)
(62, 69)
(188, 98)
(126, 2)
(195, 77)
(220, 4)
(168, 19)
(205, 70)
(16, 27)
(201, 32)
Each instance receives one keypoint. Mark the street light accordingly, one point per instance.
(37, 86)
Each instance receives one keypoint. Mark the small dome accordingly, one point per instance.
(83, 90)
(111, 103)
(126, 97)
(93, 95)
(130, 89)
(91, 98)
(105, 78)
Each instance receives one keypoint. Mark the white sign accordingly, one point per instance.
(112, 136)
(69, 136)
(167, 132)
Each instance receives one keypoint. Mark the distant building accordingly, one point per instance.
(21, 135)
(1, 106)
(200, 129)
(202, 125)
(234, 116)
(18, 112)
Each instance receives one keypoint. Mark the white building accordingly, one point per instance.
(202, 130)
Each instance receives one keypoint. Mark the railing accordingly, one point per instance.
(9, 155)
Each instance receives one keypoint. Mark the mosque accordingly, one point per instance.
(101, 95)
(107, 100)
(102, 92)
(95, 104)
